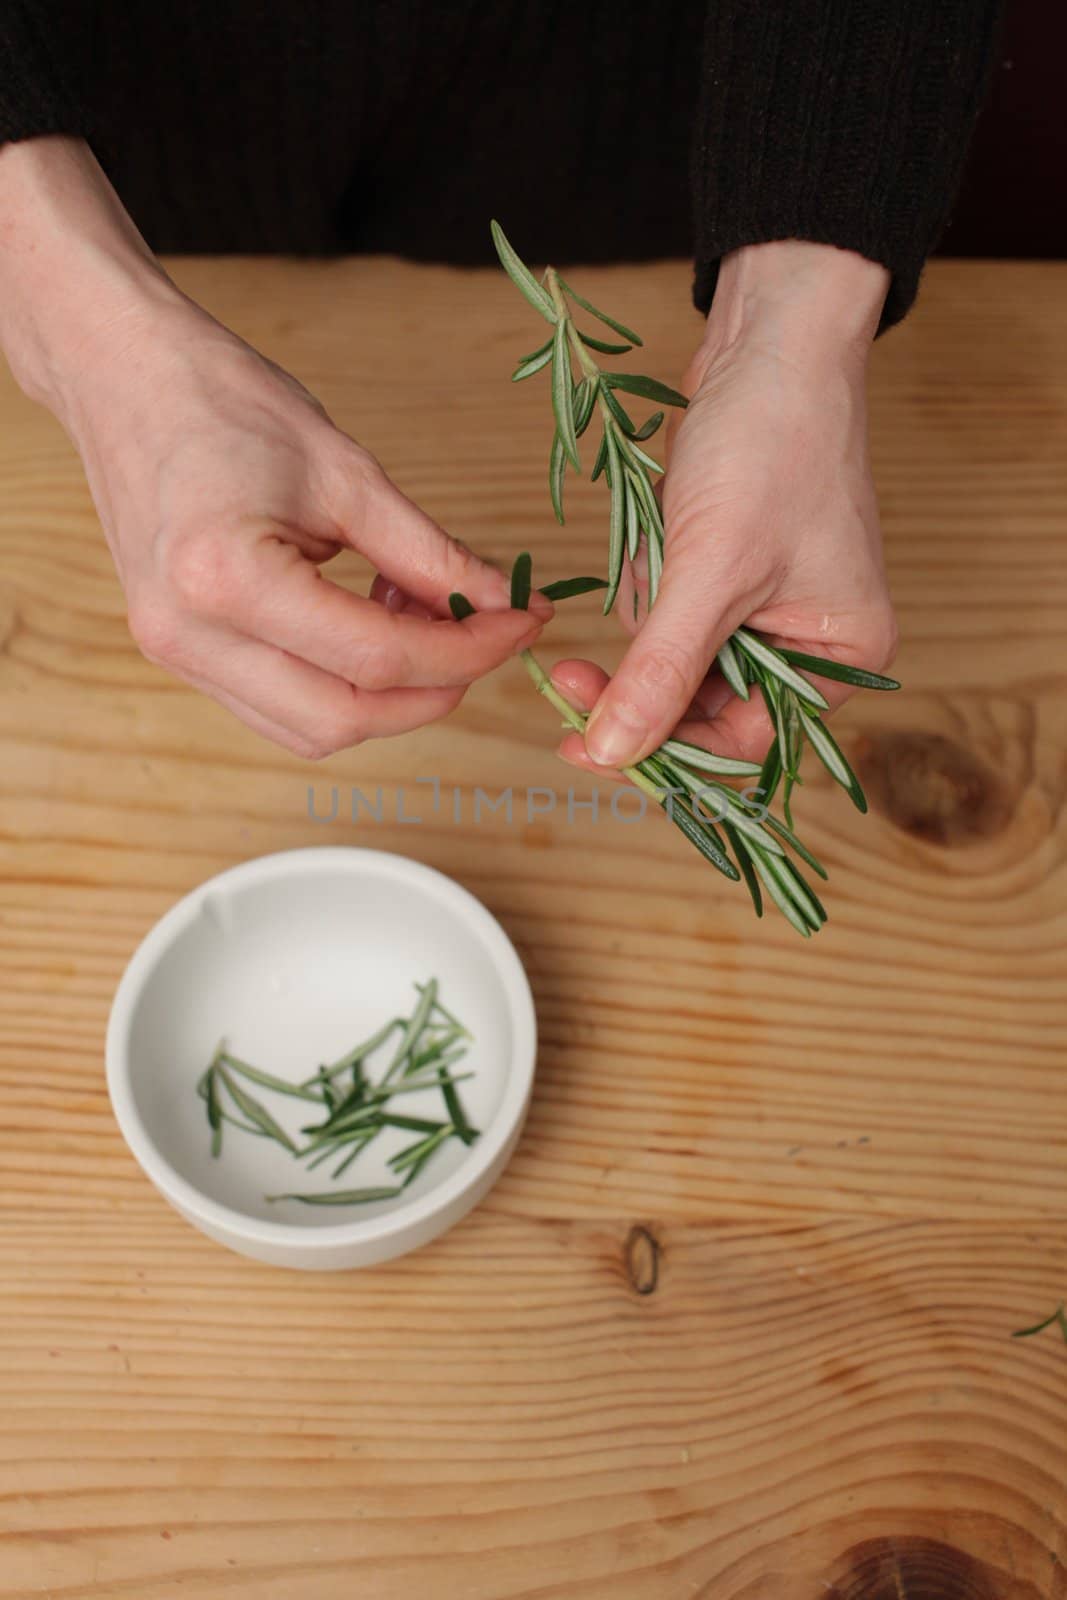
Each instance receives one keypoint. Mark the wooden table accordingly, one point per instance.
(736, 1322)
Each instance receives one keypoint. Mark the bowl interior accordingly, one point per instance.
(294, 970)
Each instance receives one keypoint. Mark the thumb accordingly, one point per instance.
(664, 666)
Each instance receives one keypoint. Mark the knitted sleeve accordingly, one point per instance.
(37, 94)
(844, 122)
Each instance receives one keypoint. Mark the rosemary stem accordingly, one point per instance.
(577, 720)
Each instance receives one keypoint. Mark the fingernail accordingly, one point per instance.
(527, 638)
(613, 737)
(394, 599)
(540, 606)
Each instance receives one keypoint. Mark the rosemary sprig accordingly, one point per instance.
(681, 778)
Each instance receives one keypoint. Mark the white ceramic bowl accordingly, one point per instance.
(294, 958)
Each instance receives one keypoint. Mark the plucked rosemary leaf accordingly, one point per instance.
(460, 606)
(520, 581)
(567, 588)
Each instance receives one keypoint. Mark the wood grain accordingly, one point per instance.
(736, 1322)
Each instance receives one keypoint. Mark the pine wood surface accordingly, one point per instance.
(736, 1322)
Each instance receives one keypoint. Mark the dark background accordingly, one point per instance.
(1013, 201)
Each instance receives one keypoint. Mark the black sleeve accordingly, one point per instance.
(37, 91)
(840, 121)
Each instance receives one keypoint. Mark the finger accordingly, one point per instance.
(285, 601)
(380, 521)
(390, 595)
(664, 665)
(312, 713)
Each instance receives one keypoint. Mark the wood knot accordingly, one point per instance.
(641, 1256)
(911, 1569)
(933, 787)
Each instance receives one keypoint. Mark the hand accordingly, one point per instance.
(222, 487)
(769, 511)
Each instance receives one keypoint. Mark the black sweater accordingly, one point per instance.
(596, 130)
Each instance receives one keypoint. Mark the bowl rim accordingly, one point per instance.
(483, 1155)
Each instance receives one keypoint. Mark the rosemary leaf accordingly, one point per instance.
(563, 394)
(647, 388)
(645, 459)
(256, 1113)
(567, 588)
(822, 667)
(585, 393)
(791, 839)
(602, 346)
(702, 834)
(531, 364)
(782, 899)
(647, 429)
(696, 756)
(601, 459)
(766, 656)
(829, 753)
(730, 668)
(615, 537)
(520, 581)
(443, 1011)
(521, 276)
(454, 1105)
(267, 1080)
(460, 606)
(655, 569)
(633, 527)
(339, 1197)
(745, 863)
(619, 412)
(214, 1112)
(620, 327)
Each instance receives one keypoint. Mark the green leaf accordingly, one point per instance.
(563, 394)
(531, 364)
(702, 834)
(694, 755)
(251, 1108)
(646, 460)
(859, 677)
(520, 581)
(557, 468)
(647, 388)
(1059, 1315)
(782, 899)
(584, 400)
(604, 348)
(460, 1121)
(521, 276)
(647, 429)
(730, 668)
(214, 1112)
(633, 527)
(791, 839)
(747, 869)
(601, 459)
(655, 566)
(770, 774)
(460, 606)
(268, 1079)
(567, 588)
(340, 1197)
(829, 753)
(794, 886)
(615, 533)
(767, 656)
(652, 517)
(620, 327)
(619, 412)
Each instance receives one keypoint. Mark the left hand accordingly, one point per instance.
(769, 510)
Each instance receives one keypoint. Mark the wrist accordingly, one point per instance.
(75, 274)
(811, 302)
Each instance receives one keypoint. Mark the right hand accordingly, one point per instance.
(223, 486)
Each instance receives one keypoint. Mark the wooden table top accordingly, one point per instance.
(736, 1322)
